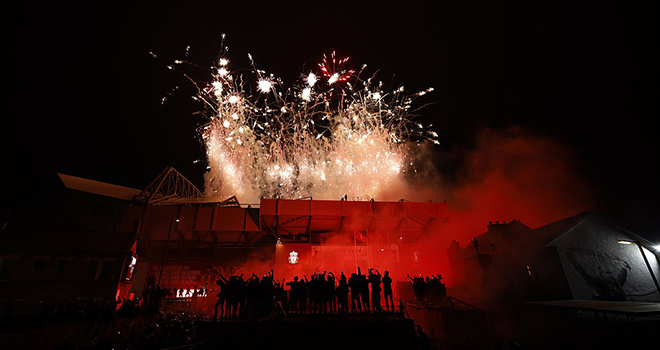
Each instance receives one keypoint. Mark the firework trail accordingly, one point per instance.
(333, 134)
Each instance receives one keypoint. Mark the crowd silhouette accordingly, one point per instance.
(258, 297)
(145, 323)
(320, 293)
(428, 289)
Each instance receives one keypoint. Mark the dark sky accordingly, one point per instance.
(86, 94)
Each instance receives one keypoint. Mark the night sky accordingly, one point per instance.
(85, 95)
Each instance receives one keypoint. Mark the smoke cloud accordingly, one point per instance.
(508, 174)
(515, 174)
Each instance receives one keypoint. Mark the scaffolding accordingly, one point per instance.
(170, 186)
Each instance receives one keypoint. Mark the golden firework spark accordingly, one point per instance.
(334, 135)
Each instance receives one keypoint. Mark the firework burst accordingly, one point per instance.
(333, 135)
(333, 69)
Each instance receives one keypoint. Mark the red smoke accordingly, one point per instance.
(512, 174)
(509, 174)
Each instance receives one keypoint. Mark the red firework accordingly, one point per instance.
(334, 70)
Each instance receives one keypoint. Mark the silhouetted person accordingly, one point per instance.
(280, 294)
(266, 294)
(302, 296)
(294, 298)
(354, 285)
(418, 287)
(252, 291)
(222, 297)
(364, 290)
(313, 288)
(475, 244)
(235, 296)
(329, 292)
(342, 294)
(374, 280)
(387, 291)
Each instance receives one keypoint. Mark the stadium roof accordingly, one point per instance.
(168, 188)
(97, 187)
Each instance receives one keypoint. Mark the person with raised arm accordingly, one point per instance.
(294, 287)
(330, 292)
(387, 291)
(374, 280)
(302, 305)
(222, 296)
(342, 294)
(364, 291)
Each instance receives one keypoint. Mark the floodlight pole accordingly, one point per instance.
(167, 243)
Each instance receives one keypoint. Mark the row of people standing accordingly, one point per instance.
(321, 293)
(325, 293)
(253, 297)
(429, 289)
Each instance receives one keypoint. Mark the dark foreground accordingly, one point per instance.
(187, 331)
(543, 325)
(360, 331)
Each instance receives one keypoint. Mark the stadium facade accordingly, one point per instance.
(172, 235)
